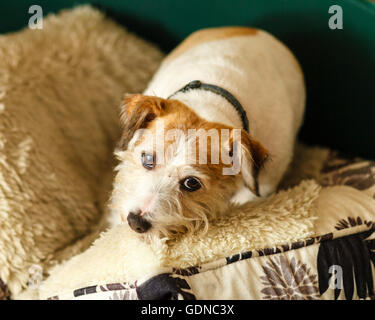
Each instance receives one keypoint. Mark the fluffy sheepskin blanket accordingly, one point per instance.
(60, 91)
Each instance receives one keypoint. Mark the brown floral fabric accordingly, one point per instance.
(340, 169)
(353, 258)
(353, 222)
(286, 279)
(296, 271)
(111, 291)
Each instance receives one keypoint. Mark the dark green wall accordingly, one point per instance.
(339, 64)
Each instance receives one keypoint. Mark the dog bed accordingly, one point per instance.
(282, 247)
(285, 247)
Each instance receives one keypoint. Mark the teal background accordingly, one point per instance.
(339, 65)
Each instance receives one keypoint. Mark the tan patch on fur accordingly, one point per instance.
(176, 115)
(133, 101)
(137, 111)
(207, 35)
(258, 152)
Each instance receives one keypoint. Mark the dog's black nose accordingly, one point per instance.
(138, 223)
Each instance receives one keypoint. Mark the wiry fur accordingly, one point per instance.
(265, 78)
(173, 210)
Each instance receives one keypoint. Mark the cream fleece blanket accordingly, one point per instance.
(60, 89)
(119, 256)
(304, 211)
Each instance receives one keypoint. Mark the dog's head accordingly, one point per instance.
(176, 169)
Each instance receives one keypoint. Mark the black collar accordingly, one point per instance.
(196, 84)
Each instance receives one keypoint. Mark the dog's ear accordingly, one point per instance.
(137, 112)
(253, 156)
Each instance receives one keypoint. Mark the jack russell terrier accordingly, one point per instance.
(232, 95)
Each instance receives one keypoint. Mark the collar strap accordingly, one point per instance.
(196, 84)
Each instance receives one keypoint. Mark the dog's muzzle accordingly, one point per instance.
(138, 223)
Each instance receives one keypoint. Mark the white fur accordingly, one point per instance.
(265, 77)
(262, 74)
(156, 192)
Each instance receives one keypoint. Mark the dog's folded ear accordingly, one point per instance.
(253, 157)
(137, 112)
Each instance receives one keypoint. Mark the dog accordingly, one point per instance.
(243, 90)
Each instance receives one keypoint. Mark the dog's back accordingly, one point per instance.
(258, 70)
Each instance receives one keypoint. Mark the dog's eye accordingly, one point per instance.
(148, 160)
(190, 184)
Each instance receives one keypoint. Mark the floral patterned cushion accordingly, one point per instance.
(340, 169)
(338, 264)
(296, 271)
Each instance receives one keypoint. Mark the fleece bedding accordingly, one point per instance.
(56, 171)
(315, 240)
(60, 92)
